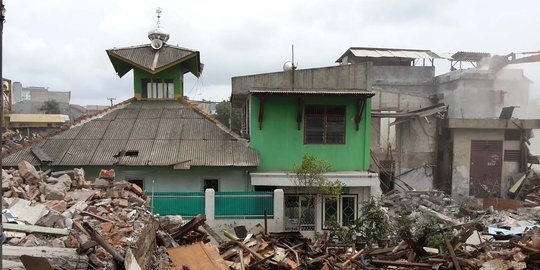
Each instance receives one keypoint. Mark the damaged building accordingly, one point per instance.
(428, 130)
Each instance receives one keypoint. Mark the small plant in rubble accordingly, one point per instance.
(428, 233)
(374, 224)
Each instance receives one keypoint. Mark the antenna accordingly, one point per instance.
(111, 100)
(293, 65)
(289, 65)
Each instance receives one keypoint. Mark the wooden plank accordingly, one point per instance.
(452, 254)
(190, 226)
(502, 204)
(33, 229)
(102, 242)
(211, 231)
(194, 256)
(402, 264)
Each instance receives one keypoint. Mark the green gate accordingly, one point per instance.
(186, 204)
(244, 205)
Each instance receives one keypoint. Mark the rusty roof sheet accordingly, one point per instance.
(163, 133)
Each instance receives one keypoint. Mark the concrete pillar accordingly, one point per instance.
(375, 191)
(209, 204)
(318, 212)
(279, 209)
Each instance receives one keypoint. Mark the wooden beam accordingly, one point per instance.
(190, 226)
(261, 113)
(300, 113)
(66, 257)
(102, 242)
(33, 229)
(359, 111)
(452, 253)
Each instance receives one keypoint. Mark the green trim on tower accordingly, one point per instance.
(171, 73)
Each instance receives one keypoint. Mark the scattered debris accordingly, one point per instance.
(63, 220)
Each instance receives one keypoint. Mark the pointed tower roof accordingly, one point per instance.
(155, 56)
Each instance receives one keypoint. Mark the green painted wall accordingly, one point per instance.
(166, 179)
(281, 145)
(170, 73)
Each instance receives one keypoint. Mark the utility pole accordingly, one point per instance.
(2, 18)
(109, 98)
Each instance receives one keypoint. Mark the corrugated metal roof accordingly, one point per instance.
(69, 134)
(144, 129)
(170, 128)
(105, 152)
(93, 129)
(150, 113)
(119, 130)
(144, 148)
(38, 118)
(313, 91)
(172, 113)
(56, 149)
(162, 137)
(470, 56)
(165, 152)
(395, 53)
(366, 52)
(128, 113)
(80, 153)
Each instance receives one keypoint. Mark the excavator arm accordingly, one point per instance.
(498, 62)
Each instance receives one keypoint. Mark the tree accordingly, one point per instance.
(310, 180)
(50, 107)
(223, 114)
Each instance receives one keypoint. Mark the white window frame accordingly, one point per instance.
(339, 208)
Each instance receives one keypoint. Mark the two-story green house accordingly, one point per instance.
(324, 112)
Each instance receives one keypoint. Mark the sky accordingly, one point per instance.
(61, 44)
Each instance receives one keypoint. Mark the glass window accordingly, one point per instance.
(170, 90)
(299, 212)
(330, 211)
(342, 210)
(324, 125)
(157, 88)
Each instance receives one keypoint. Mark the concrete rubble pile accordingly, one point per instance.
(74, 223)
(488, 233)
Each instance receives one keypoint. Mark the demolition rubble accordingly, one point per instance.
(66, 221)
